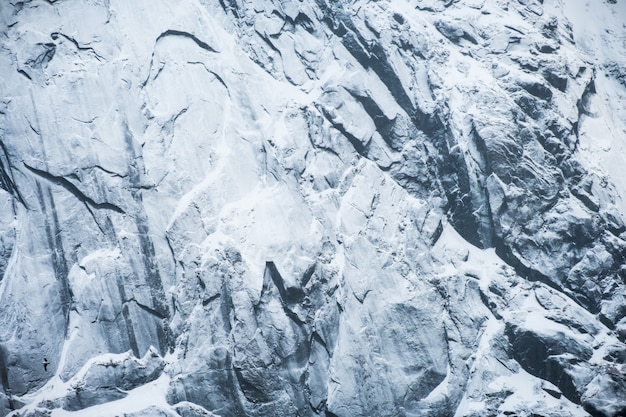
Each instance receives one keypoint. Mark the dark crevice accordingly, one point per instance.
(132, 338)
(606, 321)
(325, 149)
(489, 304)
(304, 21)
(4, 376)
(269, 43)
(230, 6)
(383, 124)
(289, 296)
(6, 175)
(374, 56)
(63, 182)
(481, 147)
(55, 245)
(173, 32)
(227, 308)
(179, 33)
(306, 277)
(152, 275)
(460, 209)
(315, 336)
(42, 60)
(483, 216)
(149, 310)
(55, 35)
(95, 219)
(358, 146)
(209, 300)
(585, 199)
(319, 408)
(217, 77)
(353, 44)
(583, 103)
(437, 234)
(25, 74)
(60, 263)
(112, 173)
(383, 68)
(538, 90)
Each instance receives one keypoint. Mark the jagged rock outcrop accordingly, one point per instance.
(312, 208)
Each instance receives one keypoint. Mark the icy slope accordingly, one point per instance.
(313, 208)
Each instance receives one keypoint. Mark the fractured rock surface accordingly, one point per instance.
(391, 208)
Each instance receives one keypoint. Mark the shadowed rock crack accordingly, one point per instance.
(65, 183)
(149, 310)
(78, 46)
(200, 43)
(6, 175)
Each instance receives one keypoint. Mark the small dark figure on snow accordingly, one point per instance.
(45, 364)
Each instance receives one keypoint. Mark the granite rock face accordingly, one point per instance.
(389, 208)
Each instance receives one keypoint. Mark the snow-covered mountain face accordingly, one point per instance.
(266, 208)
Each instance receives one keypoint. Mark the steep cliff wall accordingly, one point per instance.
(261, 208)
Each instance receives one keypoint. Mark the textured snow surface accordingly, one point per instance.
(318, 208)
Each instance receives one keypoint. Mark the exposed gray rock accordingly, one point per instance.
(312, 208)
